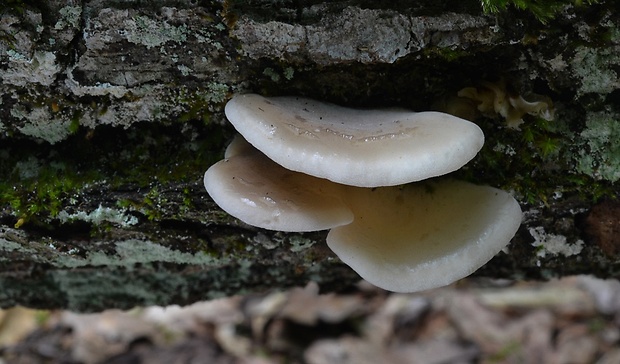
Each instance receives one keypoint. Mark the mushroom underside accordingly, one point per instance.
(401, 238)
(424, 235)
(261, 193)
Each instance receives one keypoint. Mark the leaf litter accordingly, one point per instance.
(571, 320)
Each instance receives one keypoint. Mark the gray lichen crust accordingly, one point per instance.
(360, 35)
(133, 65)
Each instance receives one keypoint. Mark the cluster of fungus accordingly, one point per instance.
(304, 165)
(495, 98)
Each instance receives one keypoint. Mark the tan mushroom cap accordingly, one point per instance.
(365, 148)
(425, 235)
(261, 193)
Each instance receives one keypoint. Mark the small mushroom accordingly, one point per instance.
(365, 148)
(493, 98)
(403, 239)
(261, 193)
(424, 235)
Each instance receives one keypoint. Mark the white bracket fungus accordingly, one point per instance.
(403, 239)
(365, 148)
(261, 193)
(424, 235)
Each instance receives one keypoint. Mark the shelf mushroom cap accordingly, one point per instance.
(259, 192)
(423, 236)
(364, 148)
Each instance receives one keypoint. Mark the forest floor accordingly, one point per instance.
(572, 320)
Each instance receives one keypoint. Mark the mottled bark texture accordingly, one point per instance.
(111, 111)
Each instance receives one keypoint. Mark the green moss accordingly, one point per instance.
(448, 54)
(39, 185)
(543, 10)
(152, 204)
(527, 161)
(42, 193)
(200, 104)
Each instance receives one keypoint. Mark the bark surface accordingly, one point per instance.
(111, 111)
